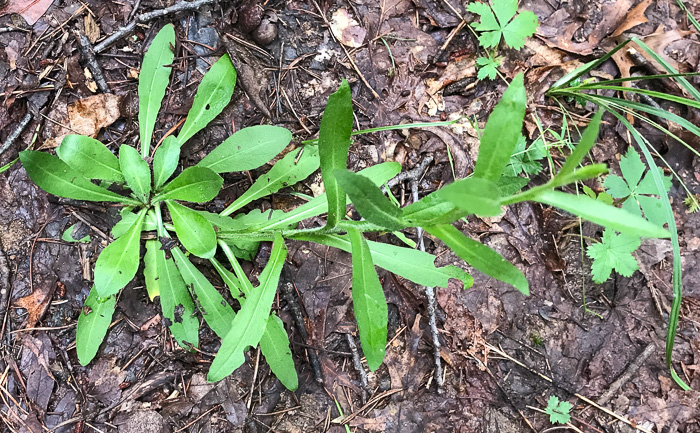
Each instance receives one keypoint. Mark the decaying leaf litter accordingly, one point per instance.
(405, 65)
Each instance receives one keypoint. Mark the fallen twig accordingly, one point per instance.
(624, 377)
(287, 289)
(430, 294)
(15, 134)
(358, 366)
(413, 175)
(148, 16)
(89, 56)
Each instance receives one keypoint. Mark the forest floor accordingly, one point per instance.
(407, 61)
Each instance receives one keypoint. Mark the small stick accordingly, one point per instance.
(16, 133)
(148, 16)
(255, 376)
(412, 175)
(94, 67)
(430, 294)
(358, 366)
(629, 371)
(287, 289)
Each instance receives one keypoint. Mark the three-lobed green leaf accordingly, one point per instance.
(514, 30)
(613, 252)
(368, 301)
(90, 158)
(247, 149)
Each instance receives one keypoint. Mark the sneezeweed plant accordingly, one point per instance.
(185, 293)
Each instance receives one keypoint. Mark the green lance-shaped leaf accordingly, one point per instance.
(432, 209)
(250, 322)
(165, 161)
(176, 301)
(415, 265)
(93, 323)
(193, 230)
(56, 177)
(216, 311)
(603, 214)
(474, 195)
(368, 302)
(213, 94)
(194, 184)
(369, 200)
(333, 146)
(274, 346)
(480, 257)
(136, 172)
(286, 172)
(128, 219)
(90, 158)
(153, 81)
(378, 174)
(501, 132)
(119, 261)
(150, 269)
(229, 278)
(247, 149)
(583, 147)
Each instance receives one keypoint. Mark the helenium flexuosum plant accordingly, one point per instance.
(170, 275)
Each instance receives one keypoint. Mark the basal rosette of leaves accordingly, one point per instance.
(161, 202)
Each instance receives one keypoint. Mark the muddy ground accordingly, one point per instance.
(504, 354)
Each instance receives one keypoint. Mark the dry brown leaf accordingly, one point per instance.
(92, 30)
(634, 18)
(660, 39)
(456, 70)
(85, 116)
(90, 81)
(346, 29)
(30, 10)
(36, 303)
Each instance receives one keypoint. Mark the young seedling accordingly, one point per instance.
(185, 293)
(558, 411)
(497, 21)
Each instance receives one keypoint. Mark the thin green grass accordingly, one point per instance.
(619, 108)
